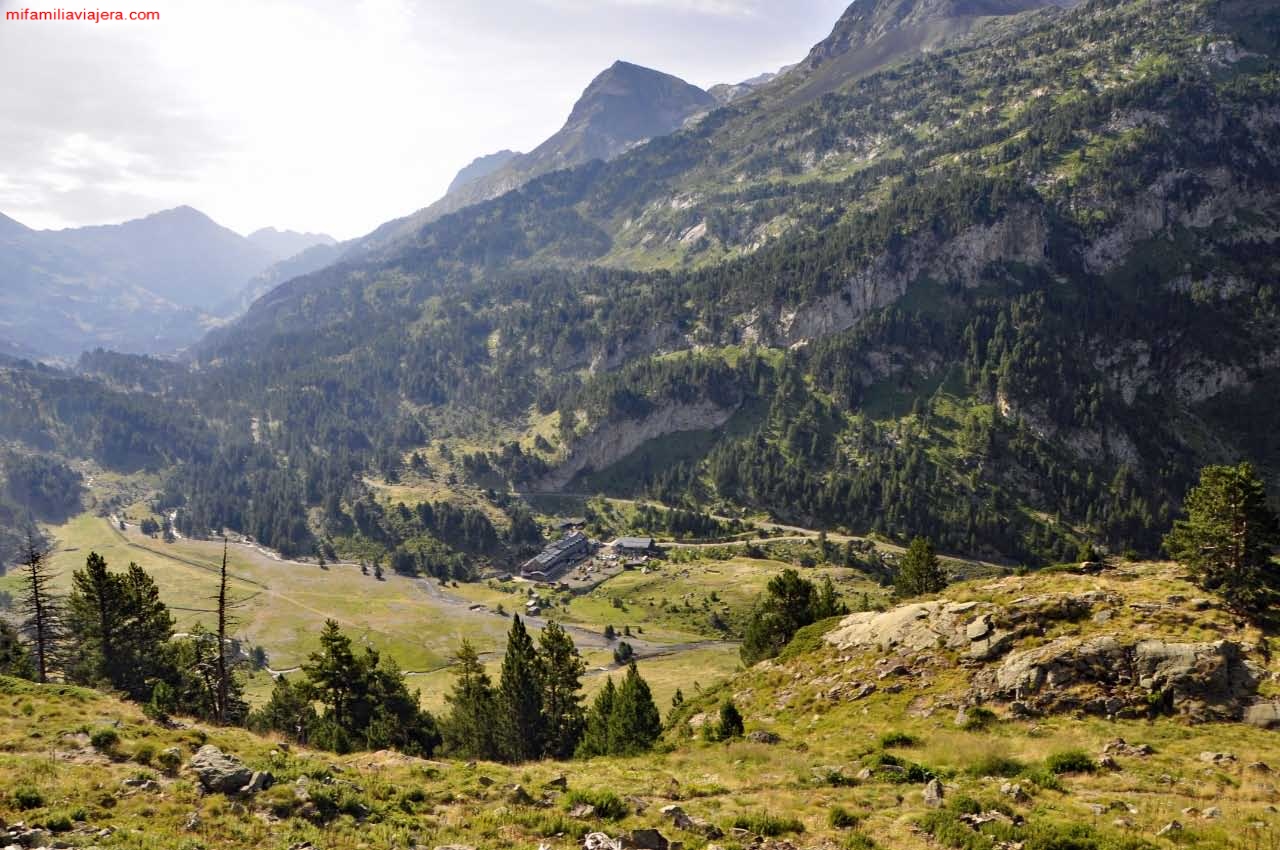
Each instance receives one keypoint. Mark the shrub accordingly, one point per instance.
(858, 841)
(169, 760)
(144, 753)
(898, 739)
(607, 804)
(763, 823)
(995, 765)
(1042, 777)
(841, 818)
(58, 823)
(977, 719)
(25, 797)
(890, 768)
(1070, 761)
(104, 739)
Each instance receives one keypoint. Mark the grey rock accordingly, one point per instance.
(1169, 828)
(1015, 792)
(1107, 762)
(645, 839)
(979, 628)
(193, 822)
(933, 794)
(560, 783)
(1264, 715)
(761, 736)
(260, 781)
(219, 772)
(597, 841)
(520, 797)
(583, 811)
(1211, 813)
(689, 823)
(1217, 758)
(1260, 767)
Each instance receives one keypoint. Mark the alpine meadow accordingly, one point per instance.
(880, 452)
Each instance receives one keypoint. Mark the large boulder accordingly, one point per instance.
(219, 772)
(1265, 715)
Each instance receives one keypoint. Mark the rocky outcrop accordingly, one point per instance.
(1109, 674)
(1020, 236)
(613, 441)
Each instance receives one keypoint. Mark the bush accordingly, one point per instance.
(608, 805)
(58, 823)
(841, 818)
(890, 768)
(1042, 777)
(770, 826)
(105, 739)
(25, 797)
(1070, 761)
(169, 760)
(977, 719)
(898, 739)
(995, 765)
(858, 841)
(144, 753)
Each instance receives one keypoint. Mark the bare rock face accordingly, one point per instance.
(1109, 675)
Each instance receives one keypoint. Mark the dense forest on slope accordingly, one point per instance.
(1009, 293)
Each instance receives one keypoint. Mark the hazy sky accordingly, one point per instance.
(328, 115)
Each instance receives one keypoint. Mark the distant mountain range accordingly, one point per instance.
(151, 285)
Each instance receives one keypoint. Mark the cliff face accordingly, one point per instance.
(610, 442)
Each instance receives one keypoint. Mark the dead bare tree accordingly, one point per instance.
(42, 610)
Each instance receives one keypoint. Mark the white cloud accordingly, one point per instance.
(330, 115)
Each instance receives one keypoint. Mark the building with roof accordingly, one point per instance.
(633, 545)
(562, 553)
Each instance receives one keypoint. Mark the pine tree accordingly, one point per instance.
(919, 572)
(634, 722)
(121, 629)
(14, 658)
(94, 610)
(521, 731)
(730, 725)
(561, 669)
(42, 612)
(1228, 537)
(468, 728)
(595, 737)
(334, 673)
(290, 711)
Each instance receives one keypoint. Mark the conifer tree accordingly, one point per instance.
(14, 658)
(595, 736)
(290, 711)
(561, 669)
(42, 611)
(468, 728)
(521, 731)
(730, 725)
(120, 627)
(919, 572)
(1228, 538)
(634, 722)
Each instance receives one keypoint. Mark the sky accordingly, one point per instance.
(328, 116)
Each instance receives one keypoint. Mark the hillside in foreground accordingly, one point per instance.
(844, 733)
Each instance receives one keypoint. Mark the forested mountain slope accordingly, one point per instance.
(1009, 294)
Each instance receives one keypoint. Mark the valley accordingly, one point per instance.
(879, 453)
